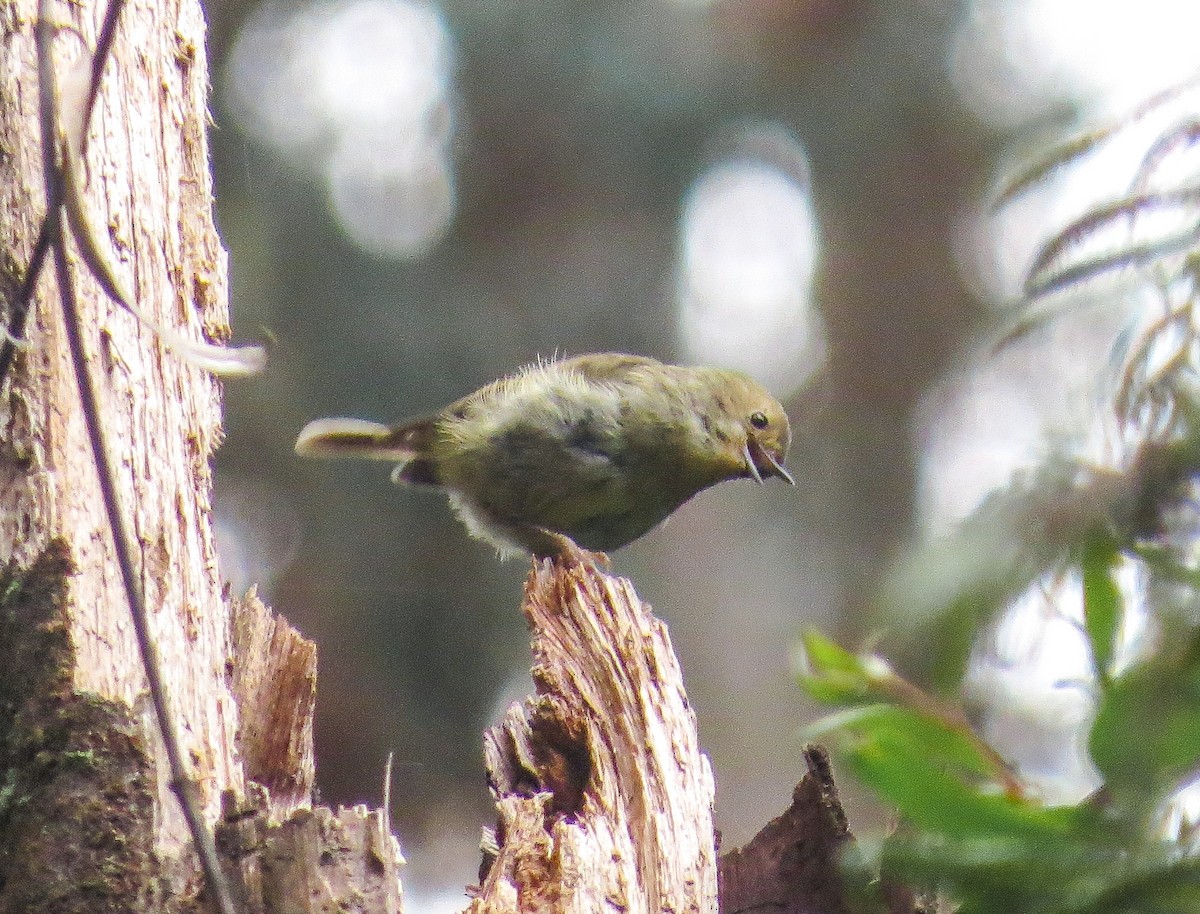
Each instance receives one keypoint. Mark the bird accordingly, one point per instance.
(569, 457)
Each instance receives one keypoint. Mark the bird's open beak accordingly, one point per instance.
(761, 463)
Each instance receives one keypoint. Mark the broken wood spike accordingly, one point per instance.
(604, 797)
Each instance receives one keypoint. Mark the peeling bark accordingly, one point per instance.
(275, 683)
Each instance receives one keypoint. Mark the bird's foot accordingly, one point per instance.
(577, 557)
(569, 554)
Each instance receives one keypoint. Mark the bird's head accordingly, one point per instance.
(751, 426)
(768, 436)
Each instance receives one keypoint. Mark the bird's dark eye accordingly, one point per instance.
(759, 420)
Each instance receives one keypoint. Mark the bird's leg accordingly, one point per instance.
(564, 551)
(571, 555)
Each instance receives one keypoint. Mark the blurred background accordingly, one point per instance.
(421, 196)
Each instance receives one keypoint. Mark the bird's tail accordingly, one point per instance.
(408, 444)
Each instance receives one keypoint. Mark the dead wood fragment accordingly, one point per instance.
(791, 866)
(604, 798)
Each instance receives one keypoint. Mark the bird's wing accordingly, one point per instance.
(599, 367)
(607, 366)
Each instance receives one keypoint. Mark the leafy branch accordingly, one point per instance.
(970, 829)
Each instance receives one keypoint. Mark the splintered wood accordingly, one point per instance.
(318, 861)
(275, 683)
(604, 798)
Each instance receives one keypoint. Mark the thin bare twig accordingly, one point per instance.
(19, 311)
(219, 359)
(183, 783)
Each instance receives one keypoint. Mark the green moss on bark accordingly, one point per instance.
(76, 801)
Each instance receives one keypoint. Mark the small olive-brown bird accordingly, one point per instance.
(589, 452)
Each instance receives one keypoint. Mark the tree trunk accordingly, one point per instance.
(87, 820)
(149, 186)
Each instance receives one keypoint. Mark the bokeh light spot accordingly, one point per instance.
(358, 94)
(388, 204)
(1017, 60)
(748, 252)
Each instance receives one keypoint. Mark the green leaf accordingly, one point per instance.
(1163, 883)
(1163, 562)
(1101, 601)
(1147, 730)
(936, 773)
(942, 745)
(833, 675)
(901, 769)
(826, 656)
(1087, 870)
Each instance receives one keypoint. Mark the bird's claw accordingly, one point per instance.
(570, 554)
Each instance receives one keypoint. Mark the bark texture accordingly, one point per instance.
(791, 866)
(150, 190)
(604, 798)
(275, 683)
